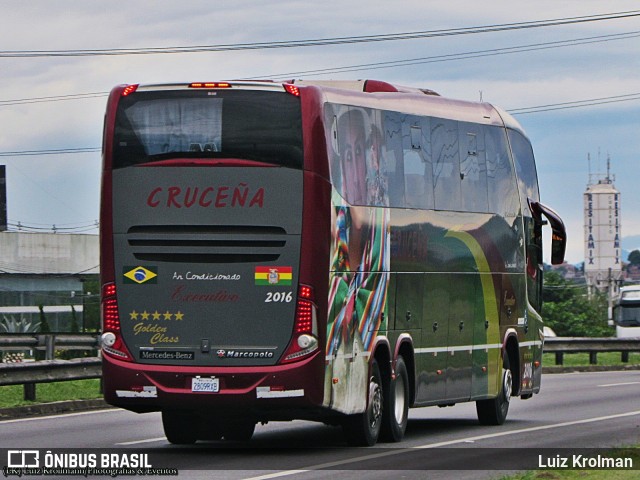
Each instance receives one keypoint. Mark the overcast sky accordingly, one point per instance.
(63, 190)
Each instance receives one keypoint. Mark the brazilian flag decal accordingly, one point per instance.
(140, 274)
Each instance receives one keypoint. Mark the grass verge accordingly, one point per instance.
(582, 359)
(13, 395)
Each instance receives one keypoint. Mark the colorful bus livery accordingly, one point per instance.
(332, 251)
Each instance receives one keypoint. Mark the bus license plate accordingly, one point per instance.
(210, 385)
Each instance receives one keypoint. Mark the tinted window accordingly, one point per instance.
(360, 163)
(473, 168)
(418, 171)
(393, 125)
(388, 158)
(446, 164)
(262, 126)
(628, 315)
(525, 167)
(501, 186)
(528, 186)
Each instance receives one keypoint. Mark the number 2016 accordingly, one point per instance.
(283, 297)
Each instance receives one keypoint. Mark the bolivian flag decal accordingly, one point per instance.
(273, 275)
(140, 274)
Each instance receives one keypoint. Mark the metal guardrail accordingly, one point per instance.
(52, 370)
(44, 371)
(49, 342)
(49, 369)
(590, 345)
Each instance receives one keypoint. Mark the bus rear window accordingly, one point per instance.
(252, 125)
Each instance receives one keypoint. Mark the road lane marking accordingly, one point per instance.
(373, 456)
(619, 384)
(148, 440)
(61, 415)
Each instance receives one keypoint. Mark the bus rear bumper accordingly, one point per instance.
(265, 391)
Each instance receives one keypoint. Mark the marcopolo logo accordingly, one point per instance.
(140, 274)
(245, 353)
(23, 458)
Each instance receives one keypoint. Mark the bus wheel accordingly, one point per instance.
(396, 405)
(239, 431)
(494, 411)
(363, 429)
(180, 428)
(210, 429)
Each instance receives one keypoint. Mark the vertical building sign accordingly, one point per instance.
(616, 217)
(3, 199)
(591, 244)
(602, 234)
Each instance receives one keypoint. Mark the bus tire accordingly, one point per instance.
(180, 428)
(396, 405)
(494, 411)
(239, 430)
(211, 429)
(363, 429)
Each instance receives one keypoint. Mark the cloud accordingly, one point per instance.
(561, 139)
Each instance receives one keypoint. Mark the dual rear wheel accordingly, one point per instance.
(387, 408)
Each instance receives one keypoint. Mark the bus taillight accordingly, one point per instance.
(129, 89)
(210, 85)
(111, 339)
(292, 89)
(305, 329)
(110, 315)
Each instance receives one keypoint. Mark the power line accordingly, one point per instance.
(377, 65)
(458, 56)
(575, 104)
(319, 41)
(59, 151)
(55, 98)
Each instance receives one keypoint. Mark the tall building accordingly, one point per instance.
(3, 198)
(602, 234)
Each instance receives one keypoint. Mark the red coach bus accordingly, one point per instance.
(331, 251)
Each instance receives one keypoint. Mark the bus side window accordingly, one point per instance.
(378, 162)
(525, 167)
(528, 187)
(616, 315)
(392, 122)
(446, 164)
(473, 168)
(503, 194)
(418, 181)
(332, 141)
(352, 128)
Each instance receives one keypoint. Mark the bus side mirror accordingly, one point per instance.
(558, 230)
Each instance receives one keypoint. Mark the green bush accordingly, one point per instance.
(569, 312)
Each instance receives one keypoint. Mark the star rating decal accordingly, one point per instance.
(156, 315)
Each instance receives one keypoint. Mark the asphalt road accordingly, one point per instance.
(581, 410)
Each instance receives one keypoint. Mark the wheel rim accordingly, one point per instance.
(507, 385)
(400, 399)
(375, 403)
